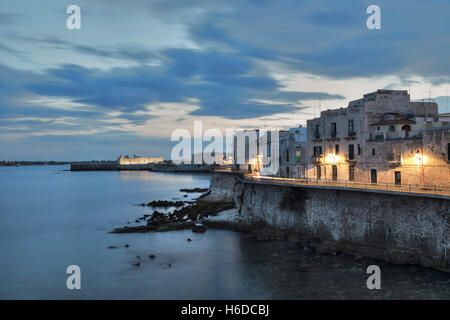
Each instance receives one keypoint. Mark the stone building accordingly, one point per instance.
(257, 151)
(139, 160)
(382, 138)
(293, 153)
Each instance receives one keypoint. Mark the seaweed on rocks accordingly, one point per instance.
(163, 203)
(181, 218)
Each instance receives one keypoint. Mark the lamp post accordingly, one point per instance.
(421, 162)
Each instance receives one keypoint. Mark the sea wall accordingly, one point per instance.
(397, 228)
(158, 167)
(225, 187)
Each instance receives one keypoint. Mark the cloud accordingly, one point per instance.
(7, 18)
(331, 39)
(226, 85)
(234, 63)
(8, 49)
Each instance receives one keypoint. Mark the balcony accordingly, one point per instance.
(350, 157)
(316, 159)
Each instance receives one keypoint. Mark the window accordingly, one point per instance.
(359, 148)
(351, 152)
(373, 152)
(406, 128)
(287, 155)
(317, 151)
(318, 173)
(269, 144)
(333, 129)
(298, 154)
(287, 172)
(334, 169)
(392, 128)
(247, 148)
(317, 132)
(336, 151)
(351, 173)
(351, 128)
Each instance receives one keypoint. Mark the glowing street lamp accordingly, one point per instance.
(332, 158)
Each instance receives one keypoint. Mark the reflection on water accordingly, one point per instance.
(50, 219)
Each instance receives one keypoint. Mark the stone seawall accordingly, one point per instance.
(115, 166)
(224, 186)
(396, 228)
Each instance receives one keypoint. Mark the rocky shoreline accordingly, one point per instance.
(182, 218)
(214, 215)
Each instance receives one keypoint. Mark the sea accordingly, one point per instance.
(52, 218)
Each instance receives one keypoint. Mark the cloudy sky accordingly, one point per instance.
(137, 70)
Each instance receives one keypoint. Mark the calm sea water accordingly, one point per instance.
(51, 218)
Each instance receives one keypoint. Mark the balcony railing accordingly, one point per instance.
(349, 157)
(316, 159)
(414, 189)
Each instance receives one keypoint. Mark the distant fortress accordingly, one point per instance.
(139, 160)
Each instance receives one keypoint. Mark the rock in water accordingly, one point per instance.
(194, 190)
(198, 227)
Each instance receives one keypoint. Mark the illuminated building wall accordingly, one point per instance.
(139, 160)
(381, 138)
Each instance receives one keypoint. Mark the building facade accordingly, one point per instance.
(382, 138)
(257, 151)
(292, 158)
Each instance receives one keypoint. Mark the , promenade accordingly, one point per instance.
(422, 190)
(435, 191)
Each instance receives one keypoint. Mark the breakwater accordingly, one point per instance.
(406, 229)
(159, 167)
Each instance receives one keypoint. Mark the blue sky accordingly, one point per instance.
(137, 70)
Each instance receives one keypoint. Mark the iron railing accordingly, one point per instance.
(416, 189)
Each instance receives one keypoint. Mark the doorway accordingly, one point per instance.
(398, 178)
(373, 176)
(334, 168)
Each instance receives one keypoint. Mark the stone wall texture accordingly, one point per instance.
(396, 228)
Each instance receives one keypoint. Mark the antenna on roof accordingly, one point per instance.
(447, 101)
(409, 86)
